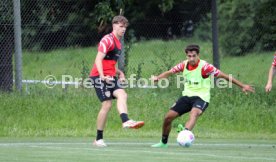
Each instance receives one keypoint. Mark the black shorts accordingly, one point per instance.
(105, 90)
(185, 104)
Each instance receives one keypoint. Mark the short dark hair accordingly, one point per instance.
(120, 19)
(192, 47)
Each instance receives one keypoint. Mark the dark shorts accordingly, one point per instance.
(185, 104)
(103, 89)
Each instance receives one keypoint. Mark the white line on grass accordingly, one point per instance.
(149, 150)
(54, 145)
(131, 143)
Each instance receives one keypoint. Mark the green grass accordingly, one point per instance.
(40, 111)
(135, 150)
(153, 55)
(69, 61)
(73, 113)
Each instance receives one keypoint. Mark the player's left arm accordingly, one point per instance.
(120, 74)
(271, 73)
(209, 69)
(245, 87)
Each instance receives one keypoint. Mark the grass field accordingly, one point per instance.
(43, 112)
(138, 150)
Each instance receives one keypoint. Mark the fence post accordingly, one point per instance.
(121, 62)
(18, 45)
(215, 34)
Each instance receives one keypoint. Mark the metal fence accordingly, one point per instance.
(6, 44)
(57, 30)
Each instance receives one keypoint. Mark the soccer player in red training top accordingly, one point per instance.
(196, 95)
(104, 78)
(272, 71)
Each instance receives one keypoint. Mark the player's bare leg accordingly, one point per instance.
(121, 96)
(102, 116)
(167, 123)
(194, 114)
(101, 120)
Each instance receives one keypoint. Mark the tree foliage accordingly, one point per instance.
(246, 25)
(266, 23)
(55, 23)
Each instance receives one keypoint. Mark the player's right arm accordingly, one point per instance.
(99, 63)
(176, 69)
(165, 74)
(105, 45)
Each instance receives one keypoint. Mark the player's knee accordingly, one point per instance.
(196, 113)
(168, 119)
(122, 95)
(106, 105)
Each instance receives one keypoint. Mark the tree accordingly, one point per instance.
(52, 24)
(266, 25)
(247, 26)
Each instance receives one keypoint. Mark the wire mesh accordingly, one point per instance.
(61, 37)
(6, 45)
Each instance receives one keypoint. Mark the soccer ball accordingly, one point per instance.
(185, 138)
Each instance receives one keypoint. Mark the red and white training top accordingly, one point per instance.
(207, 69)
(110, 46)
(274, 60)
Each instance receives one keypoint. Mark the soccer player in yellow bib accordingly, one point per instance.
(196, 94)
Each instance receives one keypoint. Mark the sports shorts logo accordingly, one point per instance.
(198, 106)
(107, 93)
(173, 104)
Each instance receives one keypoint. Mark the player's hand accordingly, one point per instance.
(154, 78)
(123, 81)
(122, 77)
(248, 88)
(268, 87)
(108, 79)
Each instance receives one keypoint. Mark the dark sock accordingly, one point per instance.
(165, 139)
(99, 134)
(186, 129)
(124, 117)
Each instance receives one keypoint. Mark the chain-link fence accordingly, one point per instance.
(6, 45)
(60, 37)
